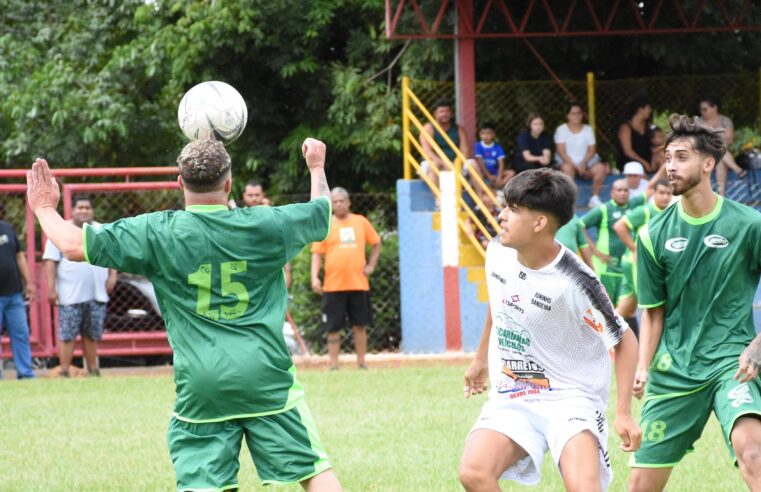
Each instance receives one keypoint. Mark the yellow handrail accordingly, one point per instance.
(409, 162)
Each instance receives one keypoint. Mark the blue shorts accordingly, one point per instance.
(85, 318)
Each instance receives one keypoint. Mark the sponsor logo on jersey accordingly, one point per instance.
(522, 275)
(716, 241)
(542, 301)
(616, 214)
(515, 298)
(677, 244)
(525, 375)
(740, 395)
(512, 303)
(3, 239)
(347, 236)
(499, 278)
(589, 318)
(513, 341)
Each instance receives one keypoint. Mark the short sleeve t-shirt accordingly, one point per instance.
(576, 144)
(218, 277)
(9, 272)
(344, 251)
(491, 154)
(535, 146)
(552, 328)
(572, 235)
(704, 272)
(77, 281)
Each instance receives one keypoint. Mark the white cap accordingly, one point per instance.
(634, 168)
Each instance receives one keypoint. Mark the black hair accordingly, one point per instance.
(544, 190)
(204, 165)
(705, 140)
(573, 104)
(81, 198)
(635, 104)
(712, 101)
(442, 103)
(253, 184)
(661, 182)
(487, 125)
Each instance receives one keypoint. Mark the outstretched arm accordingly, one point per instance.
(43, 195)
(314, 153)
(626, 363)
(477, 374)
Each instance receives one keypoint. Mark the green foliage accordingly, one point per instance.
(97, 83)
(745, 138)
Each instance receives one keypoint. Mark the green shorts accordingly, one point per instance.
(672, 424)
(285, 448)
(628, 282)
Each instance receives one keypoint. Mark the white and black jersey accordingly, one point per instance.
(552, 328)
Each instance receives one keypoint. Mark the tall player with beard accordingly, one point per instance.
(698, 270)
(545, 348)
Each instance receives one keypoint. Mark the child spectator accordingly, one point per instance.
(534, 149)
(491, 158)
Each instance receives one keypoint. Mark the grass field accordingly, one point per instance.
(385, 430)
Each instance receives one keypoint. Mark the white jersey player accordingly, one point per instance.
(545, 348)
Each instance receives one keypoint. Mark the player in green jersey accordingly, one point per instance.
(572, 237)
(608, 250)
(628, 225)
(698, 266)
(218, 276)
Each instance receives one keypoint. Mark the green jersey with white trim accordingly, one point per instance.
(635, 219)
(704, 272)
(218, 277)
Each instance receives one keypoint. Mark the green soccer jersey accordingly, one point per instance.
(572, 235)
(218, 277)
(604, 217)
(636, 218)
(704, 272)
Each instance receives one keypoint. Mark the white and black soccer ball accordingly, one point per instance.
(212, 110)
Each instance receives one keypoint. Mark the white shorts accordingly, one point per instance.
(538, 425)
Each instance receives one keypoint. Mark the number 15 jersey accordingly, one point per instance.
(552, 328)
(218, 276)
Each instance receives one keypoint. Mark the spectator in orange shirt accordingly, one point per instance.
(346, 290)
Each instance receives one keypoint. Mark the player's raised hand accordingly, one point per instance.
(314, 153)
(640, 381)
(476, 376)
(630, 432)
(41, 187)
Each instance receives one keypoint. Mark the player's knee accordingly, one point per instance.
(749, 457)
(474, 478)
(641, 482)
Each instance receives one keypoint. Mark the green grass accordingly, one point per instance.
(385, 430)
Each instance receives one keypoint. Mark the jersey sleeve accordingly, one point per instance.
(651, 277)
(319, 247)
(593, 218)
(371, 235)
(596, 311)
(478, 151)
(123, 245)
(581, 238)
(638, 200)
(51, 252)
(303, 223)
(634, 219)
(500, 151)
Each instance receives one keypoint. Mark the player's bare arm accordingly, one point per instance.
(750, 361)
(477, 374)
(43, 196)
(626, 364)
(314, 154)
(625, 234)
(649, 338)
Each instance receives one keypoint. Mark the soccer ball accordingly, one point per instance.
(212, 110)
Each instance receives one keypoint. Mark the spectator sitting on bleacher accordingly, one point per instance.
(658, 148)
(709, 114)
(577, 151)
(534, 149)
(472, 230)
(443, 113)
(635, 135)
(491, 159)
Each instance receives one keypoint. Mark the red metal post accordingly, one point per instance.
(466, 72)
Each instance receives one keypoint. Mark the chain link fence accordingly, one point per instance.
(507, 104)
(385, 332)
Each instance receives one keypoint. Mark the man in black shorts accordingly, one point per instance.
(346, 290)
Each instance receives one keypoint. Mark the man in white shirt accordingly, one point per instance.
(81, 292)
(635, 174)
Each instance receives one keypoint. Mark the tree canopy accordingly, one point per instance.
(97, 82)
